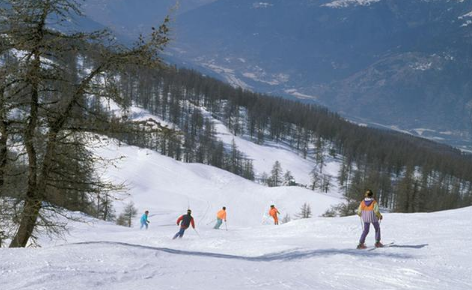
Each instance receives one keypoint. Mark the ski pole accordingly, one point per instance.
(362, 224)
(196, 232)
(211, 222)
(226, 226)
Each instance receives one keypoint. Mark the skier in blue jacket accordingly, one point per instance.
(144, 220)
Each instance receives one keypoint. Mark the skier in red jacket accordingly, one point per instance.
(184, 221)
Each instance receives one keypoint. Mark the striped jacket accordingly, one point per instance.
(369, 210)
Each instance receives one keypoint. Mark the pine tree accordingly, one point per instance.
(326, 182)
(248, 170)
(129, 213)
(305, 211)
(265, 179)
(286, 218)
(288, 178)
(316, 178)
(54, 91)
(276, 174)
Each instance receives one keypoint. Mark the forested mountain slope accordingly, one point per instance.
(407, 173)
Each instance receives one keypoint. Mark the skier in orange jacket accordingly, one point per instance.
(273, 212)
(220, 217)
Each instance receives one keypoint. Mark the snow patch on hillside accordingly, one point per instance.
(420, 131)
(347, 3)
(466, 15)
(296, 93)
(467, 19)
(259, 5)
(422, 66)
(259, 75)
(227, 73)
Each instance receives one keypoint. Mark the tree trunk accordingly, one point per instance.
(35, 196)
(28, 222)
(3, 141)
(33, 199)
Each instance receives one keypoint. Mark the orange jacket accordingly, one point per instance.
(221, 215)
(273, 212)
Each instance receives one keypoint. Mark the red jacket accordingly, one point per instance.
(186, 221)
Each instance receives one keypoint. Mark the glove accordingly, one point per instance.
(381, 217)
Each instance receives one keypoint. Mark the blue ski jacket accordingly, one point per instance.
(144, 219)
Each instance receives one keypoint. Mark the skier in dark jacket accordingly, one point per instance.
(184, 221)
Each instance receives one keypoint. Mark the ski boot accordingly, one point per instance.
(361, 246)
(378, 245)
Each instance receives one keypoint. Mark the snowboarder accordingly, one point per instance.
(369, 212)
(273, 212)
(220, 217)
(144, 220)
(184, 221)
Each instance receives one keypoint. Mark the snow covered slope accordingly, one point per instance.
(167, 187)
(264, 156)
(431, 251)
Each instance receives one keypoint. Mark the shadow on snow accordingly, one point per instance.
(408, 246)
(281, 256)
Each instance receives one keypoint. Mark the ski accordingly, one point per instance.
(384, 246)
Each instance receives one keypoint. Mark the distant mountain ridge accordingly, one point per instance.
(132, 17)
(401, 64)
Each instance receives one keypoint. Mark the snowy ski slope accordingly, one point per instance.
(431, 251)
(167, 187)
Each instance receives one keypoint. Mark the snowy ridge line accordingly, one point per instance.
(281, 256)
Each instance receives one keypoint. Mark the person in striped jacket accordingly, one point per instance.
(369, 212)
